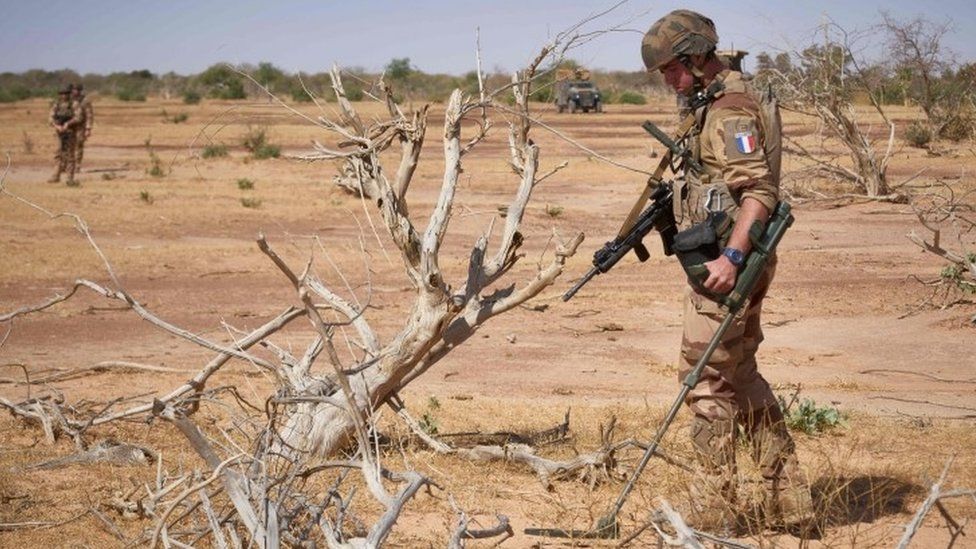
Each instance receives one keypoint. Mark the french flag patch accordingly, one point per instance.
(745, 142)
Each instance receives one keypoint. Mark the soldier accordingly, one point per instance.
(62, 118)
(736, 139)
(82, 105)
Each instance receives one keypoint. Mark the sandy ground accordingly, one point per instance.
(844, 319)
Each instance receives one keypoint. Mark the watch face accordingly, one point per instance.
(735, 256)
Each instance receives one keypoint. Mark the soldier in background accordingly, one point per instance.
(83, 108)
(62, 118)
(737, 141)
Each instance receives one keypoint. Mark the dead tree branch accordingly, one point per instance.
(936, 495)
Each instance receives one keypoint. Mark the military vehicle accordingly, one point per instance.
(575, 91)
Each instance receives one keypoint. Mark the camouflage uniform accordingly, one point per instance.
(63, 114)
(82, 105)
(737, 141)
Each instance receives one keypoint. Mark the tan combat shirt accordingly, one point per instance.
(84, 117)
(733, 144)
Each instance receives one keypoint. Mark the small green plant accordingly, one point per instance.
(155, 168)
(146, 197)
(553, 210)
(73, 183)
(214, 150)
(958, 276)
(810, 418)
(256, 141)
(267, 151)
(631, 98)
(918, 135)
(109, 176)
(191, 97)
(428, 422)
(245, 184)
(253, 203)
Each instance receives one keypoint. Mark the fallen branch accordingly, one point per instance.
(936, 494)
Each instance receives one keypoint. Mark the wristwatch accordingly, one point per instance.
(735, 256)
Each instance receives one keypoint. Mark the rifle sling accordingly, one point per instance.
(655, 179)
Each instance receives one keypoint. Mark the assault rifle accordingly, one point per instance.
(659, 215)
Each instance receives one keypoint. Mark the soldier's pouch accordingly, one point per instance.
(679, 189)
(700, 244)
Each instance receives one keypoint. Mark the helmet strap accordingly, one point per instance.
(697, 72)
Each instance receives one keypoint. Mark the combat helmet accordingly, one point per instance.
(678, 34)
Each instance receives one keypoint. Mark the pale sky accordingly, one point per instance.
(439, 36)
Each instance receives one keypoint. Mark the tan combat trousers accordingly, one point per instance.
(731, 391)
(79, 146)
(65, 157)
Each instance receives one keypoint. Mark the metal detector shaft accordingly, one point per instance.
(687, 385)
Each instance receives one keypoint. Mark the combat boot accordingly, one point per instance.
(787, 504)
(714, 485)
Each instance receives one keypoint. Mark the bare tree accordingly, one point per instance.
(822, 82)
(260, 473)
(925, 70)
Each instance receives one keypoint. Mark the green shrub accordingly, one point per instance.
(299, 95)
(354, 93)
(155, 168)
(13, 93)
(245, 184)
(146, 197)
(810, 418)
(918, 135)
(631, 98)
(250, 202)
(553, 210)
(130, 94)
(214, 150)
(254, 138)
(191, 97)
(958, 276)
(428, 421)
(256, 141)
(267, 151)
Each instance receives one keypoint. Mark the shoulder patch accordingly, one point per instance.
(741, 137)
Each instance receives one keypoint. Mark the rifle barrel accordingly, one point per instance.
(576, 287)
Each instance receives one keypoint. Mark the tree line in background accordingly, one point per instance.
(226, 82)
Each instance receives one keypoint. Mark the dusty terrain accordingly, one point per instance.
(837, 320)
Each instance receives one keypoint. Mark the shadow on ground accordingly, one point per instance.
(848, 500)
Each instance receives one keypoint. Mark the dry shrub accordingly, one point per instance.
(918, 135)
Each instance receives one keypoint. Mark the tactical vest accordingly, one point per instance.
(697, 194)
(63, 111)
